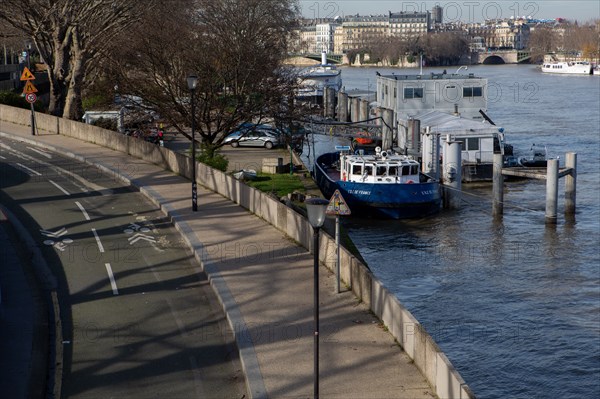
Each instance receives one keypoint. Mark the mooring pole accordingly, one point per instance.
(551, 191)
(498, 187)
(571, 183)
(452, 174)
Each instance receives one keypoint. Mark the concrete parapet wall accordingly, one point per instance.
(414, 339)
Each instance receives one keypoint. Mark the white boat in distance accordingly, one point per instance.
(569, 68)
(316, 79)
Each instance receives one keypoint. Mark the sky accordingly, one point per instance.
(459, 10)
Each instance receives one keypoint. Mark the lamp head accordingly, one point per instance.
(316, 208)
(192, 81)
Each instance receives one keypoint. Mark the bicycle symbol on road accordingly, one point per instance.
(140, 234)
(60, 245)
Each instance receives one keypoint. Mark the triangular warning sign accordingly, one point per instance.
(29, 88)
(27, 75)
(337, 205)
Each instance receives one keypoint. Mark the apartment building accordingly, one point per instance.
(325, 37)
(360, 31)
(409, 24)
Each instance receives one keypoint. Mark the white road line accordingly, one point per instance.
(100, 247)
(200, 391)
(29, 169)
(180, 325)
(59, 187)
(85, 214)
(111, 276)
(41, 152)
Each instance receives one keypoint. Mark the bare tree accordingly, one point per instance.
(70, 35)
(11, 41)
(542, 40)
(236, 49)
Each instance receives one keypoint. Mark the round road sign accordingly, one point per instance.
(30, 97)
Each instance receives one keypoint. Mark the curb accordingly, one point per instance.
(48, 284)
(254, 381)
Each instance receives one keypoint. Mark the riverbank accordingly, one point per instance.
(362, 359)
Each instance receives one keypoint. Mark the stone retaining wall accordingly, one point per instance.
(416, 342)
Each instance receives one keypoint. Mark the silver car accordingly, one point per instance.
(256, 138)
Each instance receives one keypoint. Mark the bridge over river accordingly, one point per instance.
(488, 57)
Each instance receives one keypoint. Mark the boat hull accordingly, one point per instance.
(389, 201)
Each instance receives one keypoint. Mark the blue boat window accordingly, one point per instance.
(473, 144)
(357, 169)
(393, 171)
(381, 171)
(406, 170)
(472, 91)
(410, 92)
(368, 170)
(414, 170)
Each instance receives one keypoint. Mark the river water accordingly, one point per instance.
(515, 304)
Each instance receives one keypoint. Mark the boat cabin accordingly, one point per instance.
(379, 169)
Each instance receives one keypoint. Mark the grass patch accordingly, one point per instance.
(280, 185)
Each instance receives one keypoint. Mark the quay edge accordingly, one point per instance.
(444, 379)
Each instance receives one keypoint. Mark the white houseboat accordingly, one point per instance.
(424, 135)
(316, 79)
(429, 109)
(568, 68)
(410, 95)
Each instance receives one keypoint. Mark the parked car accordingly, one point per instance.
(258, 137)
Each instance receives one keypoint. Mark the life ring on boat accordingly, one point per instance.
(410, 182)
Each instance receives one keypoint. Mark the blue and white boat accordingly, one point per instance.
(383, 184)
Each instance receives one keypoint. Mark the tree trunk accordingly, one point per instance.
(73, 103)
(60, 68)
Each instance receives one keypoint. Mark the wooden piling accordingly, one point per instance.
(570, 183)
(330, 104)
(387, 128)
(342, 107)
(354, 109)
(551, 191)
(413, 141)
(498, 187)
(364, 109)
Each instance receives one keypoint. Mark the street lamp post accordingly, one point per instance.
(192, 81)
(316, 208)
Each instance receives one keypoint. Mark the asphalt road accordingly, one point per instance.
(23, 321)
(139, 318)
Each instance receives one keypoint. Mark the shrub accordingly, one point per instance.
(16, 100)
(210, 156)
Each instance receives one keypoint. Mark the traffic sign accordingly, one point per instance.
(29, 88)
(337, 205)
(27, 75)
(30, 97)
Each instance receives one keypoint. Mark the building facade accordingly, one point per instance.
(325, 37)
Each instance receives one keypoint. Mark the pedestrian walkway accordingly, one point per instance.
(264, 281)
